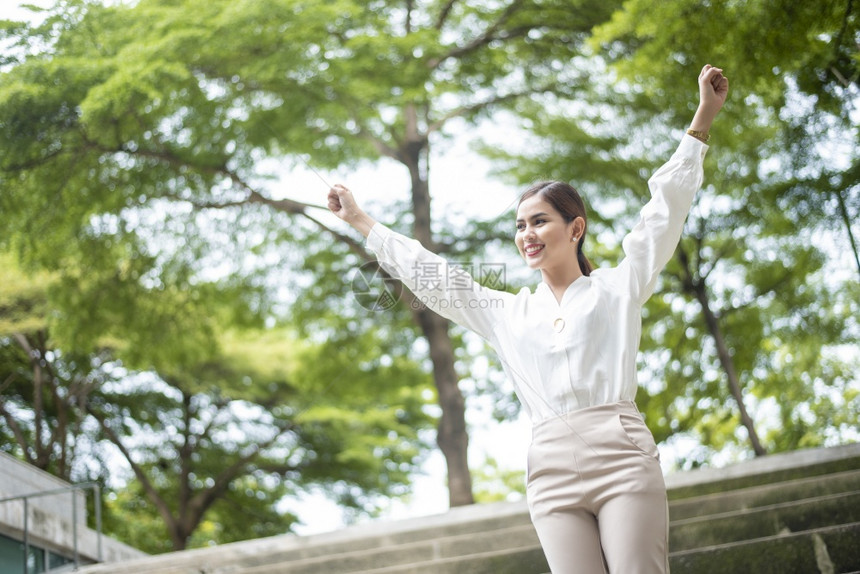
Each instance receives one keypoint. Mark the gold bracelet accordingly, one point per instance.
(701, 136)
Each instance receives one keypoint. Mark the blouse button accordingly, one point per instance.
(558, 325)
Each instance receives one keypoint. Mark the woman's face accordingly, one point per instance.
(543, 236)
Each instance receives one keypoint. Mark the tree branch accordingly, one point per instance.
(354, 246)
(16, 431)
(408, 23)
(9, 380)
(198, 505)
(254, 196)
(846, 220)
(185, 451)
(443, 15)
(770, 287)
(478, 106)
(34, 162)
(706, 270)
(383, 148)
(151, 491)
(488, 36)
(285, 205)
(837, 44)
(698, 289)
(38, 403)
(59, 434)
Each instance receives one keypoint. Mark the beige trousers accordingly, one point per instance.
(596, 493)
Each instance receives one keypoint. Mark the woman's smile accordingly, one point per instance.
(533, 249)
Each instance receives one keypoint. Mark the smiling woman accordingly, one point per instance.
(595, 488)
(553, 211)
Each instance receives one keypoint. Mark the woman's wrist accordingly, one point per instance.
(699, 135)
(701, 124)
(362, 223)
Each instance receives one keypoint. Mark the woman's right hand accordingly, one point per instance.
(342, 203)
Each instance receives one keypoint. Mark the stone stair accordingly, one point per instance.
(783, 514)
(479, 539)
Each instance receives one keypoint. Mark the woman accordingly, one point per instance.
(595, 489)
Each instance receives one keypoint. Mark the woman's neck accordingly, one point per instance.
(558, 280)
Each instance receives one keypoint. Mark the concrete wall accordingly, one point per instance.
(18, 478)
(52, 523)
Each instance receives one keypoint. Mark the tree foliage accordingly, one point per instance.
(778, 304)
(42, 389)
(751, 338)
(217, 436)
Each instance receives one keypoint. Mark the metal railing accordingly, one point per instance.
(73, 488)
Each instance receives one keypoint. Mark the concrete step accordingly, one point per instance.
(408, 553)
(792, 516)
(764, 495)
(526, 560)
(236, 557)
(413, 540)
(764, 470)
(833, 549)
(735, 520)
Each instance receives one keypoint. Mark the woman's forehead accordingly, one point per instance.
(534, 205)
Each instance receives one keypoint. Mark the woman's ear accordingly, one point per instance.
(577, 228)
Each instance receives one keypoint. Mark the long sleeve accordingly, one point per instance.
(581, 351)
(446, 288)
(651, 243)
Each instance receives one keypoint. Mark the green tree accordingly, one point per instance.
(37, 379)
(495, 484)
(108, 109)
(222, 444)
(791, 172)
(217, 423)
(752, 335)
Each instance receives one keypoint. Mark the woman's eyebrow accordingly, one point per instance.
(541, 214)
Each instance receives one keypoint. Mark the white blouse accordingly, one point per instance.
(578, 353)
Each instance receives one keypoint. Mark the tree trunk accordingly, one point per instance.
(697, 287)
(452, 437)
(185, 525)
(846, 220)
(177, 539)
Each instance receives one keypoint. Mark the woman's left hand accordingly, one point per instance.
(713, 88)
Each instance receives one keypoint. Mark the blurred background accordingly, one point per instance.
(183, 324)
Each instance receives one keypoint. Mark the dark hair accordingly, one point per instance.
(567, 201)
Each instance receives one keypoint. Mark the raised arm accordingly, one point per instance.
(446, 288)
(651, 243)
